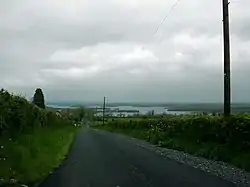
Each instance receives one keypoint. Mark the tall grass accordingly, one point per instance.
(30, 157)
(33, 141)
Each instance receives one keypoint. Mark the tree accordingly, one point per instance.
(38, 98)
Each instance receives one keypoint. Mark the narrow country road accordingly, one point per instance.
(103, 159)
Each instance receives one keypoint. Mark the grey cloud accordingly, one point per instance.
(242, 30)
(186, 63)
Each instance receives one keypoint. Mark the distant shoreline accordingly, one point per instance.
(209, 108)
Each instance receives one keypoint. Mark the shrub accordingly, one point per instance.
(233, 131)
(18, 115)
(213, 137)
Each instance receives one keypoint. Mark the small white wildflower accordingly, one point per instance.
(4, 158)
(1, 146)
(10, 139)
(13, 180)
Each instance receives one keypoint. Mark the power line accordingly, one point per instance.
(167, 15)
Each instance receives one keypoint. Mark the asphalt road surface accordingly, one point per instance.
(103, 159)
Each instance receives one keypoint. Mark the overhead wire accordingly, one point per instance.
(166, 16)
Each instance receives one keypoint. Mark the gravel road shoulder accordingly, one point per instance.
(223, 170)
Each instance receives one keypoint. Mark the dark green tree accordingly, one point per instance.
(38, 98)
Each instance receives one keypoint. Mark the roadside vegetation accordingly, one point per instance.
(33, 140)
(213, 137)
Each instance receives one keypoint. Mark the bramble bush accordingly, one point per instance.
(233, 131)
(214, 137)
(18, 115)
(32, 136)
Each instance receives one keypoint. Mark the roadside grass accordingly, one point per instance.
(209, 150)
(33, 140)
(32, 156)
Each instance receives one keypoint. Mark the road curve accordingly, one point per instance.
(103, 159)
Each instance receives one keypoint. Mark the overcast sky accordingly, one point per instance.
(85, 49)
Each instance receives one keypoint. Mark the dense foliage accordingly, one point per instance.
(233, 131)
(18, 115)
(38, 98)
(216, 137)
(33, 140)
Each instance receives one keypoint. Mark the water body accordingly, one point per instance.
(144, 110)
(60, 106)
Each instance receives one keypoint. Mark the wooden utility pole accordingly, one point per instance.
(103, 111)
(227, 77)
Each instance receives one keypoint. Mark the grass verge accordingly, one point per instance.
(31, 157)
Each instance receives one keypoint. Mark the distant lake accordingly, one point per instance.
(144, 110)
(59, 106)
(173, 108)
